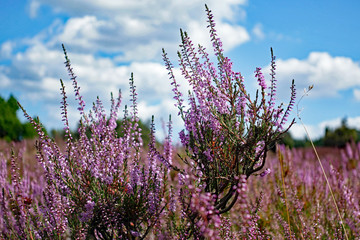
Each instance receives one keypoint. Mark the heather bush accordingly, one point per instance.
(99, 187)
(227, 133)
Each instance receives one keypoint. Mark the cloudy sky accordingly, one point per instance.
(316, 42)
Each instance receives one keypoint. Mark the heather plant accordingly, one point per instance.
(227, 133)
(99, 187)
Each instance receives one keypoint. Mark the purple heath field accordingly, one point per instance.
(228, 178)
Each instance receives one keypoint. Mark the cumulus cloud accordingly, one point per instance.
(231, 35)
(6, 49)
(4, 80)
(137, 30)
(32, 73)
(318, 130)
(33, 8)
(258, 31)
(162, 10)
(328, 74)
(297, 131)
(356, 93)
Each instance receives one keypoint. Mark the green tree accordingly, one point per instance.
(340, 136)
(287, 140)
(11, 128)
(10, 125)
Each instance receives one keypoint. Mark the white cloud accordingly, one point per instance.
(328, 74)
(232, 36)
(298, 132)
(162, 10)
(137, 30)
(258, 31)
(33, 8)
(4, 80)
(353, 122)
(356, 93)
(6, 49)
(318, 130)
(38, 61)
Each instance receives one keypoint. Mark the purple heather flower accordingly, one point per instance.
(134, 233)
(88, 213)
(260, 78)
(266, 172)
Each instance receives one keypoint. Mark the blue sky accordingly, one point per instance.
(316, 42)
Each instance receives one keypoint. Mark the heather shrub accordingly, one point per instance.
(227, 133)
(101, 186)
